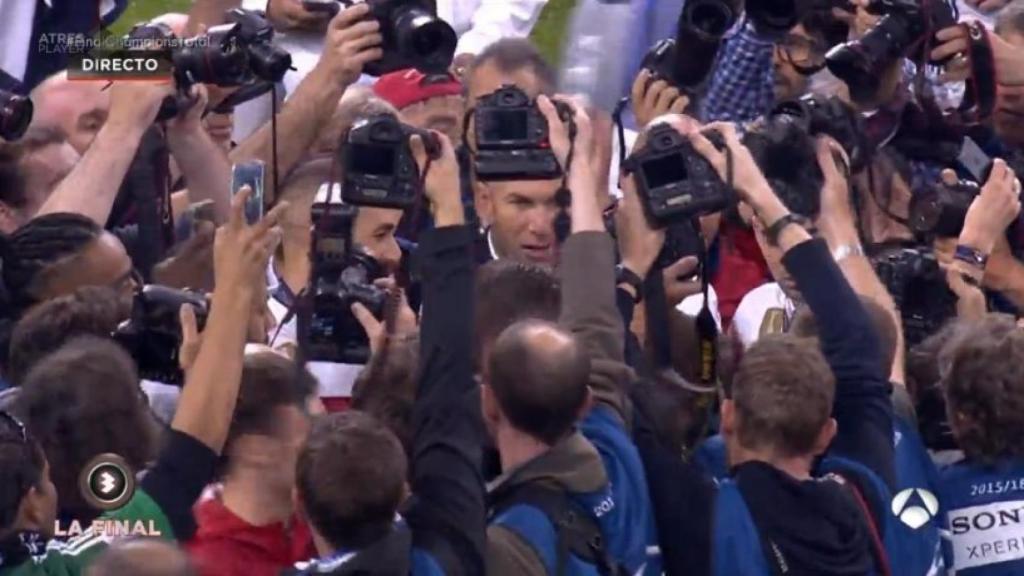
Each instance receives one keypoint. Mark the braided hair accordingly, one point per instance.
(37, 246)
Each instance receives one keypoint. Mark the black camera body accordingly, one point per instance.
(674, 181)
(787, 155)
(918, 286)
(15, 115)
(512, 137)
(830, 116)
(379, 167)
(701, 26)
(939, 211)
(152, 334)
(413, 35)
(239, 54)
(900, 33)
(342, 275)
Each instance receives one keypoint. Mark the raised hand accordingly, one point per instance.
(441, 181)
(350, 43)
(653, 99)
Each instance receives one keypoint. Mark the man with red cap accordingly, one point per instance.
(432, 102)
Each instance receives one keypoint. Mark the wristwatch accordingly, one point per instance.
(776, 228)
(624, 275)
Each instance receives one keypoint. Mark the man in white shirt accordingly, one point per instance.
(478, 23)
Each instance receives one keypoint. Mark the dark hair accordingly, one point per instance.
(386, 388)
(514, 54)
(351, 478)
(825, 28)
(539, 375)
(89, 310)
(12, 154)
(269, 381)
(805, 325)
(82, 401)
(783, 393)
(508, 291)
(21, 467)
(984, 385)
(38, 245)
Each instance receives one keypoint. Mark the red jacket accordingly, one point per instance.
(226, 545)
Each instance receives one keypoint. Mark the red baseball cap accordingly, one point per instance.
(407, 87)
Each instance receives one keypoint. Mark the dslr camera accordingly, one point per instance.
(674, 181)
(918, 286)
(787, 155)
(152, 334)
(342, 275)
(686, 60)
(15, 115)
(414, 37)
(237, 54)
(379, 168)
(512, 137)
(900, 33)
(940, 210)
(828, 115)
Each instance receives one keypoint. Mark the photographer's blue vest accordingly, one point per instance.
(908, 522)
(985, 517)
(620, 513)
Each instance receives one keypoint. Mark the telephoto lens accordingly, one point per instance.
(15, 115)
(686, 61)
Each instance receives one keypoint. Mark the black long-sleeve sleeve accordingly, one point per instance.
(448, 507)
(182, 471)
(862, 407)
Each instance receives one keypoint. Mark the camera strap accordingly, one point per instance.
(980, 99)
(563, 197)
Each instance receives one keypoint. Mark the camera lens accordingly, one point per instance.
(213, 60)
(269, 62)
(425, 40)
(711, 18)
(15, 115)
(774, 17)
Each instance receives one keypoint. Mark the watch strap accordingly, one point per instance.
(775, 229)
(624, 275)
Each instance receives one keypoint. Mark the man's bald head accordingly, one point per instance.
(148, 557)
(78, 109)
(539, 373)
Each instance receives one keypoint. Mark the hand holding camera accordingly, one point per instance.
(639, 242)
(653, 97)
(1007, 59)
(746, 178)
(291, 15)
(572, 140)
(995, 208)
(136, 104)
(836, 220)
(190, 120)
(351, 42)
(441, 180)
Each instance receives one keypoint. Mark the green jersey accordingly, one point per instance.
(140, 516)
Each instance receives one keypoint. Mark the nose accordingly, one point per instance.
(391, 255)
(541, 221)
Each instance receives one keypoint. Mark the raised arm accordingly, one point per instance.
(91, 187)
(862, 406)
(587, 266)
(202, 162)
(446, 480)
(350, 42)
(200, 425)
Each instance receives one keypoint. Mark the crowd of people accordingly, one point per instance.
(821, 374)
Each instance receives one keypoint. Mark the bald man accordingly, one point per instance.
(78, 109)
(148, 557)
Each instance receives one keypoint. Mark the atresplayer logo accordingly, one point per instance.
(918, 512)
(107, 483)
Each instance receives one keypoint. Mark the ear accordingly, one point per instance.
(32, 511)
(484, 202)
(489, 405)
(9, 221)
(588, 404)
(824, 440)
(728, 416)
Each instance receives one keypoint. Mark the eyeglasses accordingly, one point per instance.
(12, 429)
(801, 51)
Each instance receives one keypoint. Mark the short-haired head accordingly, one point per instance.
(357, 103)
(88, 311)
(984, 384)
(78, 109)
(90, 386)
(538, 374)
(508, 291)
(510, 61)
(272, 403)
(350, 479)
(22, 471)
(781, 399)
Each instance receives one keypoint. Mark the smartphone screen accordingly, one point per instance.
(249, 174)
